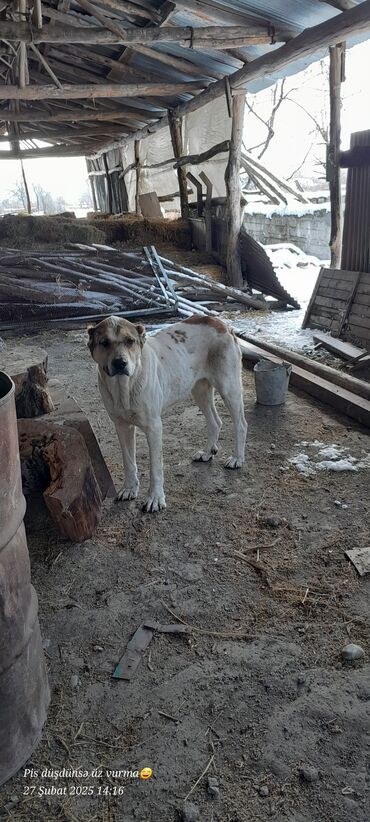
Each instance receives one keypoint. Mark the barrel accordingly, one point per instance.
(24, 690)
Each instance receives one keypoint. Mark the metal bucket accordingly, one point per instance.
(24, 690)
(271, 380)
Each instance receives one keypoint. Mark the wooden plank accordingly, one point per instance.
(326, 323)
(333, 304)
(175, 124)
(333, 292)
(150, 206)
(359, 331)
(343, 349)
(362, 298)
(327, 392)
(320, 277)
(362, 311)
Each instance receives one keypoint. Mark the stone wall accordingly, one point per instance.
(310, 232)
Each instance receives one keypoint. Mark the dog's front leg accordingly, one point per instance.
(156, 499)
(127, 439)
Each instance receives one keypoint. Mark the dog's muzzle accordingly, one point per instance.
(118, 367)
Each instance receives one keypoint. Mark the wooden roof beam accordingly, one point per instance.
(211, 37)
(90, 91)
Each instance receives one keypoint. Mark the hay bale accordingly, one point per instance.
(20, 231)
(135, 230)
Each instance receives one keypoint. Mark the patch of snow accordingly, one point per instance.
(303, 464)
(292, 209)
(335, 459)
(331, 452)
(337, 465)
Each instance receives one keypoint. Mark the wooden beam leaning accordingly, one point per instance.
(212, 37)
(91, 91)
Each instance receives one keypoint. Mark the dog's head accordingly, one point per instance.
(115, 344)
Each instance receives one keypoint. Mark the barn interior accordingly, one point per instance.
(139, 699)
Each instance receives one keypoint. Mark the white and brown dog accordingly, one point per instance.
(139, 380)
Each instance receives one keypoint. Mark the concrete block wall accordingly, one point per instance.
(310, 232)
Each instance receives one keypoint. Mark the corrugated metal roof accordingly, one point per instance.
(279, 19)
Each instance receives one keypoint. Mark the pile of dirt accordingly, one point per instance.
(138, 231)
(21, 230)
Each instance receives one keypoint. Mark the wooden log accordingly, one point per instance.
(233, 192)
(333, 166)
(91, 91)
(358, 387)
(74, 116)
(198, 159)
(73, 496)
(175, 124)
(67, 412)
(137, 175)
(27, 367)
(218, 37)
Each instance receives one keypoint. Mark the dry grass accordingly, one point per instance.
(20, 231)
(138, 231)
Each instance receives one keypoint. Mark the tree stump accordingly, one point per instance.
(72, 494)
(27, 368)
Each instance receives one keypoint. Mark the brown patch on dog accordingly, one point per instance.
(181, 336)
(213, 322)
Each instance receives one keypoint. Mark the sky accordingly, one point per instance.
(68, 177)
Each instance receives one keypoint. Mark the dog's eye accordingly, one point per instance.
(129, 341)
(104, 343)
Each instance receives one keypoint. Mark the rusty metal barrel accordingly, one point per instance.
(24, 690)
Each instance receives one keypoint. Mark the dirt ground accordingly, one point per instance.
(259, 691)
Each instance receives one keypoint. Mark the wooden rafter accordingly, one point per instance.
(208, 37)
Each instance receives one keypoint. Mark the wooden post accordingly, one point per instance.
(26, 189)
(109, 185)
(233, 193)
(198, 186)
(175, 124)
(138, 169)
(208, 210)
(333, 156)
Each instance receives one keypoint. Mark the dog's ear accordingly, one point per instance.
(91, 342)
(141, 332)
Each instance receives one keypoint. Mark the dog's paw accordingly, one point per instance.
(154, 503)
(205, 456)
(128, 493)
(234, 462)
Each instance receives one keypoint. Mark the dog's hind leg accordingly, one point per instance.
(232, 396)
(127, 438)
(203, 394)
